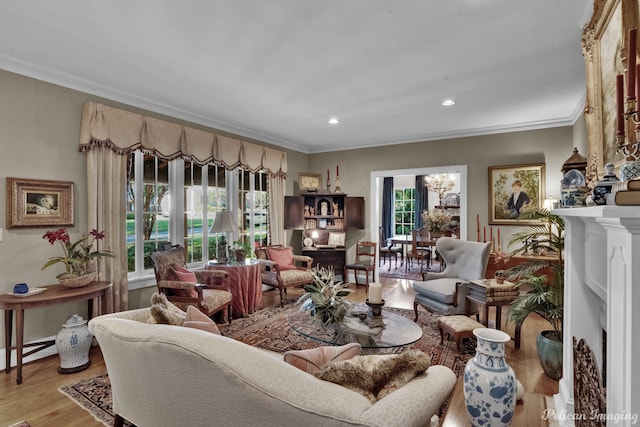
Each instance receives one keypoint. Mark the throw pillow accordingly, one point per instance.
(198, 320)
(311, 360)
(163, 312)
(375, 376)
(184, 275)
(283, 257)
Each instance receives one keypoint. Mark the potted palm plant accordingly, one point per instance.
(545, 280)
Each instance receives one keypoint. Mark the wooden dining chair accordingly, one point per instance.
(419, 251)
(386, 249)
(365, 261)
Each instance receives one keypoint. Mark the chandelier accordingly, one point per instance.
(439, 184)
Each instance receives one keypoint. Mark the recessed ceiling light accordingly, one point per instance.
(333, 121)
(448, 102)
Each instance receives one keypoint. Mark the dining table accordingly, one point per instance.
(405, 240)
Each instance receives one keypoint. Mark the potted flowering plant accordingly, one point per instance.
(77, 257)
(436, 220)
(324, 298)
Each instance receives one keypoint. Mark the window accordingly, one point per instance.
(177, 201)
(404, 210)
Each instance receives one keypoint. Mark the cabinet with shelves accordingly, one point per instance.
(323, 213)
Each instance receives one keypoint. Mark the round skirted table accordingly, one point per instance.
(245, 282)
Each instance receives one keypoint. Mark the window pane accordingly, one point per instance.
(193, 211)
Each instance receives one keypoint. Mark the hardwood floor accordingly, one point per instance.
(38, 401)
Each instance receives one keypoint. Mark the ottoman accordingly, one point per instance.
(458, 326)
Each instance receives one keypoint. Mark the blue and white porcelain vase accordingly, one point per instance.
(73, 343)
(489, 382)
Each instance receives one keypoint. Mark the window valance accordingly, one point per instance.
(125, 132)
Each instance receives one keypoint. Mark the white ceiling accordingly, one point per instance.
(278, 70)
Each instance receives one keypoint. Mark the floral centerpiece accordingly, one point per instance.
(436, 219)
(78, 256)
(324, 298)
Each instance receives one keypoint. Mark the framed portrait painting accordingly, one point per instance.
(514, 190)
(39, 203)
(605, 49)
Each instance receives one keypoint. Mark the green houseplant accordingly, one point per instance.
(545, 280)
(324, 298)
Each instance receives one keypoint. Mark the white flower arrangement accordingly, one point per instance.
(436, 219)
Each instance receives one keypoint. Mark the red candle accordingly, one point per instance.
(478, 224)
(484, 234)
(631, 64)
(619, 105)
(327, 174)
(337, 171)
(491, 236)
(499, 245)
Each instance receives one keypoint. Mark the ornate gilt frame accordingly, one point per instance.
(604, 45)
(25, 210)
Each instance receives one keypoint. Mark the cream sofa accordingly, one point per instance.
(164, 375)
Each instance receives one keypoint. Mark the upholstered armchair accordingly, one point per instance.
(208, 290)
(445, 292)
(282, 269)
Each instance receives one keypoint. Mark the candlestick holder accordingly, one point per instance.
(375, 314)
(328, 185)
(337, 189)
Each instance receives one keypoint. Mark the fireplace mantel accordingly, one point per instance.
(601, 244)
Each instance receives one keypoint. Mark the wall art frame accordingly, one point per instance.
(501, 184)
(39, 203)
(604, 46)
(310, 182)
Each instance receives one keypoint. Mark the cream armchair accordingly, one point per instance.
(282, 269)
(185, 376)
(445, 292)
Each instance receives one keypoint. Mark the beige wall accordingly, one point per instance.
(39, 137)
(551, 146)
(39, 131)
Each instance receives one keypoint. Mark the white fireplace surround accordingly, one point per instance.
(602, 269)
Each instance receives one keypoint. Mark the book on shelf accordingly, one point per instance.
(630, 185)
(627, 197)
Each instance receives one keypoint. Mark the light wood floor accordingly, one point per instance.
(38, 401)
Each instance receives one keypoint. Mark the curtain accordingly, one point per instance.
(388, 201)
(108, 135)
(276, 209)
(125, 132)
(106, 184)
(422, 200)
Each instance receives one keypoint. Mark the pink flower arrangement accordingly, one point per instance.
(77, 256)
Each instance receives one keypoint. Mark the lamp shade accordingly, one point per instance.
(224, 223)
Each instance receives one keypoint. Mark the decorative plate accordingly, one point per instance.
(308, 242)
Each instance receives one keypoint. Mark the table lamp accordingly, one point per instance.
(224, 223)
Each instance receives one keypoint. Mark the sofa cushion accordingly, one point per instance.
(282, 256)
(437, 289)
(163, 312)
(194, 318)
(375, 376)
(311, 360)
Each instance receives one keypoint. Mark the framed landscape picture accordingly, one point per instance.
(39, 203)
(514, 190)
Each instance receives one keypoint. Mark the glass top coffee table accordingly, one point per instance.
(398, 331)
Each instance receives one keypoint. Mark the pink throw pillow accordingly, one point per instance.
(283, 257)
(184, 275)
(198, 320)
(312, 360)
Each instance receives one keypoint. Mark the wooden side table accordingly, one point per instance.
(478, 293)
(54, 294)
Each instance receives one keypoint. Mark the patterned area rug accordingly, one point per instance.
(269, 329)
